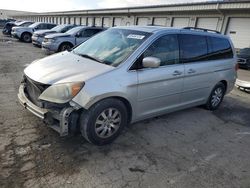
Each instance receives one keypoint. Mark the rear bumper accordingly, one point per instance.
(242, 84)
(61, 120)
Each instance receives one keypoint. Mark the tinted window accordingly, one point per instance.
(219, 48)
(42, 26)
(90, 32)
(193, 48)
(50, 26)
(166, 49)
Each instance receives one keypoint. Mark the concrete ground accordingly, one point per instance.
(190, 148)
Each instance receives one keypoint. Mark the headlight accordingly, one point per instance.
(61, 93)
(52, 40)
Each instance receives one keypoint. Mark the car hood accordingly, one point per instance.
(57, 35)
(64, 67)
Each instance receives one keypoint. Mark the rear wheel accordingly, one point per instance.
(65, 46)
(26, 37)
(216, 97)
(104, 121)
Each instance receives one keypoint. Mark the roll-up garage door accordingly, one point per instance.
(160, 21)
(207, 23)
(180, 22)
(90, 21)
(83, 21)
(239, 31)
(142, 21)
(117, 21)
(98, 22)
(78, 21)
(106, 22)
(72, 20)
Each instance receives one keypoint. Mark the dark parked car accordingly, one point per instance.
(4, 21)
(9, 25)
(38, 36)
(244, 58)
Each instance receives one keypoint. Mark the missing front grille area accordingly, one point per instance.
(33, 90)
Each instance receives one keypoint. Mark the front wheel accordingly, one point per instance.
(104, 121)
(26, 37)
(216, 97)
(64, 47)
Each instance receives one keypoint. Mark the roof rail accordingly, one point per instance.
(201, 29)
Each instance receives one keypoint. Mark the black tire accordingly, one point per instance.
(65, 46)
(89, 119)
(26, 37)
(213, 103)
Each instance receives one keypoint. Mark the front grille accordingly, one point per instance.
(33, 90)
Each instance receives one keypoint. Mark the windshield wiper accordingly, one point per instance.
(93, 58)
(90, 57)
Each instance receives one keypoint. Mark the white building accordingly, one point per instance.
(229, 17)
(4, 14)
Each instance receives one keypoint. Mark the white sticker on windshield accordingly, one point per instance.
(139, 37)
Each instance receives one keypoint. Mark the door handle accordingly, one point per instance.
(177, 73)
(191, 71)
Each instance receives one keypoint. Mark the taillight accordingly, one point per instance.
(236, 66)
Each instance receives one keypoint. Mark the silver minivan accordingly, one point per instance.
(127, 74)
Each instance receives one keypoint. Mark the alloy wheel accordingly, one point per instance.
(107, 123)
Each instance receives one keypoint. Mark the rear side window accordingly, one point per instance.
(193, 48)
(42, 26)
(50, 26)
(219, 48)
(90, 32)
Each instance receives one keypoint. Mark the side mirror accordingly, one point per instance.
(151, 62)
(77, 35)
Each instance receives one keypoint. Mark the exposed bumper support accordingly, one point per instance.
(62, 116)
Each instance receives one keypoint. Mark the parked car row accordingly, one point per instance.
(63, 41)
(50, 37)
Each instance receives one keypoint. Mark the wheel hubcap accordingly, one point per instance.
(108, 122)
(216, 97)
(65, 47)
(26, 38)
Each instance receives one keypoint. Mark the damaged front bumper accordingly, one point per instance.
(63, 120)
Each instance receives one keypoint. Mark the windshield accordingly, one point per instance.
(245, 51)
(74, 30)
(58, 28)
(34, 24)
(19, 23)
(113, 46)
